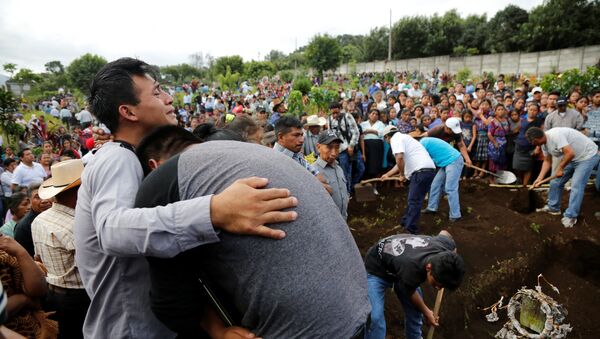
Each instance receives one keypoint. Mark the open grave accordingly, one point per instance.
(504, 250)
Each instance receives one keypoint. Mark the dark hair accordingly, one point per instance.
(8, 161)
(594, 92)
(334, 105)
(244, 126)
(534, 133)
(448, 269)
(286, 123)
(467, 112)
(208, 132)
(21, 152)
(163, 143)
(113, 86)
(557, 93)
(15, 200)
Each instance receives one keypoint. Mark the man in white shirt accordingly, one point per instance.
(413, 163)
(65, 116)
(577, 156)
(7, 175)
(415, 91)
(28, 171)
(85, 118)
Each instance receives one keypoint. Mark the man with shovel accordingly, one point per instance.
(404, 262)
(578, 156)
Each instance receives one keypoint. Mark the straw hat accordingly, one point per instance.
(314, 120)
(65, 175)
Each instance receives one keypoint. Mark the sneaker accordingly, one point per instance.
(548, 210)
(453, 220)
(568, 222)
(427, 211)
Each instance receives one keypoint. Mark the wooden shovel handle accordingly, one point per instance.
(379, 179)
(544, 181)
(484, 171)
(436, 311)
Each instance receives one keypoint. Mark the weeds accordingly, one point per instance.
(535, 227)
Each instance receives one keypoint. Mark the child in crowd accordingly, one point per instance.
(497, 132)
(469, 131)
(514, 125)
(481, 152)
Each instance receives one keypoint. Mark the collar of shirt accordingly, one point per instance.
(63, 209)
(286, 151)
(322, 163)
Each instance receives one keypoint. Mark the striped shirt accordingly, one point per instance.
(52, 233)
(298, 157)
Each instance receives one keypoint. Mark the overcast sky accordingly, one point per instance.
(33, 32)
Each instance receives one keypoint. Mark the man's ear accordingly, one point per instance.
(126, 112)
(153, 164)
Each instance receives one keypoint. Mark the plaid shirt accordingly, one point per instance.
(52, 233)
(298, 157)
(339, 126)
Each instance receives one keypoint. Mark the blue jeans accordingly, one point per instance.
(346, 164)
(358, 168)
(580, 172)
(420, 182)
(413, 318)
(447, 179)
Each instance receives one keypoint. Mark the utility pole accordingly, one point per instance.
(296, 59)
(390, 39)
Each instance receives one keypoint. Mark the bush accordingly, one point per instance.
(463, 75)
(303, 85)
(573, 79)
(286, 76)
(295, 105)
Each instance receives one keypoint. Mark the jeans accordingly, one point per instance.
(447, 179)
(580, 172)
(358, 168)
(346, 164)
(413, 318)
(420, 182)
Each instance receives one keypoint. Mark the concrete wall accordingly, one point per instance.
(537, 63)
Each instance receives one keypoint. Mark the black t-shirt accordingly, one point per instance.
(23, 232)
(401, 258)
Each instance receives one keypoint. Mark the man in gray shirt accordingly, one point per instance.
(578, 156)
(111, 236)
(563, 117)
(310, 285)
(328, 145)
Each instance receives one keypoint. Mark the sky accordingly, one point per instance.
(33, 32)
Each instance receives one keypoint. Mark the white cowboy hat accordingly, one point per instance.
(314, 120)
(65, 175)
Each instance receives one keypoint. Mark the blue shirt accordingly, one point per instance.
(440, 151)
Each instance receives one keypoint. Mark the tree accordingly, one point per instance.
(8, 106)
(474, 34)
(376, 44)
(323, 53)
(180, 73)
(560, 24)
(503, 30)
(258, 69)
(54, 67)
(26, 76)
(409, 36)
(275, 55)
(10, 68)
(235, 63)
(82, 70)
(351, 53)
(229, 80)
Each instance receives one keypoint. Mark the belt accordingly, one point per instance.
(424, 170)
(62, 290)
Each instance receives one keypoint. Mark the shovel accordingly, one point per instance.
(502, 177)
(526, 200)
(436, 311)
(364, 189)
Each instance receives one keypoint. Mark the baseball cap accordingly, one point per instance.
(327, 137)
(454, 125)
(536, 89)
(562, 101)
(389, 129)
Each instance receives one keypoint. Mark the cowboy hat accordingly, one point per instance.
(314, 120)
(65, 175)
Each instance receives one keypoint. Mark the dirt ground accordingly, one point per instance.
(503, 250)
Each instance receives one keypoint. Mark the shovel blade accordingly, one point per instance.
(364, 192)
(506, 177)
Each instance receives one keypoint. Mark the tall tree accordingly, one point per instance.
(561, 24)
(503, 30)
(376, 44)
(409, 35)
(25, 75)
(82, 70)
(235, 63)
(323, 53)
(54, 67)
(473, 35)
(10, 68)
(197, 60)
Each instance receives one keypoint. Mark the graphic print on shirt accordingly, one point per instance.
(397, 245)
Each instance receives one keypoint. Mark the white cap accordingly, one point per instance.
(389, 129)
(537, 89)
(454, 125)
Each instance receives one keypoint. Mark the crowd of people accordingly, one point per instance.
(225, 217)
